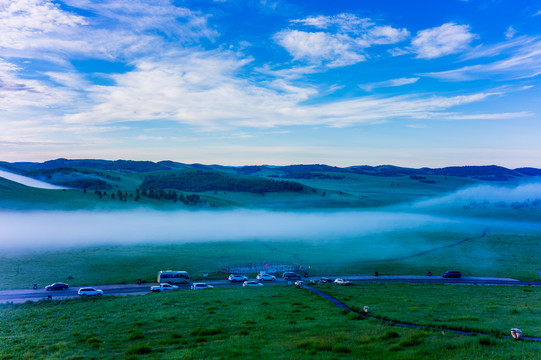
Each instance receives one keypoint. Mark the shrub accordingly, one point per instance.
(390, 334)
(94, 341)
(206, 332)
(486, 341)
(136, 335)
(341, 349)
(411, 341)
(139, 350)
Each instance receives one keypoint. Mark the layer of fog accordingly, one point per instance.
(29, 181)
(58, 229)
(522, 193)
(55, 229)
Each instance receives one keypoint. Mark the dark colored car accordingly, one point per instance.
(56, 286)
(452, 274)
(291, 276)
(326, 280)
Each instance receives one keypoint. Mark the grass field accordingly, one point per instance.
(411, 228)
(496, 254)
(353, 191)
(244, 323)
(485, 309)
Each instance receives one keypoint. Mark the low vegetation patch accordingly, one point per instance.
(153, 326)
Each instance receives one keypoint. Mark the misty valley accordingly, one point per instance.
(96, 223)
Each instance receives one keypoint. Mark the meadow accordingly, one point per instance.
(263, 323)
(341, 224)
(502, 255)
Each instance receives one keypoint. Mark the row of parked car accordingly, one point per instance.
(84, 291)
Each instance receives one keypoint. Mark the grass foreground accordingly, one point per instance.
(242, 323)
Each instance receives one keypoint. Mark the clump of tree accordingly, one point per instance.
(205, 180)
(162, 194)
(312, 175)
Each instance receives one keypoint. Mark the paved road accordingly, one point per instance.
(21, 295)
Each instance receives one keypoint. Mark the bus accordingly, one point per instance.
(173, 277)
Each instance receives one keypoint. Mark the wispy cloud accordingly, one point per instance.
(389, 83)
(523, 61)
(495, 116)
(204, 90)
(40, 29)
(449, 38)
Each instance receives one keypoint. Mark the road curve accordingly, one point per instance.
(18, 296)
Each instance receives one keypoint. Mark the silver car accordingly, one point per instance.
(90, 291)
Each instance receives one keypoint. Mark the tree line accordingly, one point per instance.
(200, 181)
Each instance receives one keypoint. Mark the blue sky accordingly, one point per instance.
(408, 83)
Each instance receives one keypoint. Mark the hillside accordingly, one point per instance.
(123, 183)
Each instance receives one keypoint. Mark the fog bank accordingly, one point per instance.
(27, 230)
(528, 192)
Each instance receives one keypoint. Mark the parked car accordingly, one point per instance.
(201, 286)
(56, 286)
(291, 276)
(326, 280)
(251, 283)
(342, 282)
(299, 283)
(89, 291)
(452, 274)
(163, 287)
(266, 277)
(237, 278)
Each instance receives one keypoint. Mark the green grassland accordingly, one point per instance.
(348, 191)
(277, 322)
(248, 323)
(485, 308)
(397, 253)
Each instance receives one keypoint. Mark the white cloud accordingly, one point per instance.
(386, 35)
(343, 23)
(17, 91)
(340, 40)
(443, 40)
(23, 22)
(500, 48)
(510, 33)
(524, 61)
(338, 50)
(202, 90)
(389, 83)
(42, 30)
(496, 116)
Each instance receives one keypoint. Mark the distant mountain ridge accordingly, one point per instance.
(300, 171)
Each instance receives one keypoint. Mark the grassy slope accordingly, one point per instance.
(488, 309)
(353, 191)
(229, 323)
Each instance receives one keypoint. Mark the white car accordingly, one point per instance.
(88, 291)
(237, 278)
(201, 286)
(299, 283)
(266, 277)
(163, 287)
(342, 282)
(251, 283)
